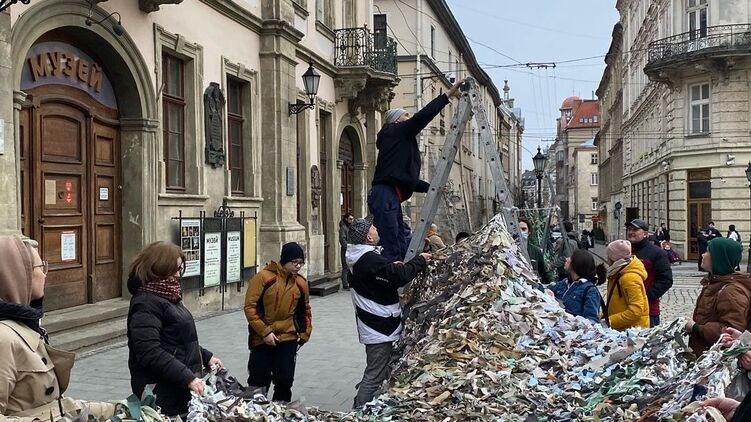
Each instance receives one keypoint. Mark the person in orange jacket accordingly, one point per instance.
(277, 307)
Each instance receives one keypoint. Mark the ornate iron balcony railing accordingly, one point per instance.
(359, 47)
(705, 40)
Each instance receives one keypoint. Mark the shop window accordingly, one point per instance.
(698, 18)
(432, 42)
(179, 65)
(325, 12)
(173, 121)
(241, 92)
(350, 13)
(699, 110)
(236, 100)
(380, 35)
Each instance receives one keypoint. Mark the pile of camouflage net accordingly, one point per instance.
(482, 341)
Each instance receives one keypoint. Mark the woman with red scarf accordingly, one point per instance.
(162, 338)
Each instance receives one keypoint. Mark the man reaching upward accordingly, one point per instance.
(397, 173)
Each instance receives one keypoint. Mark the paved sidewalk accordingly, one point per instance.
(328, 367)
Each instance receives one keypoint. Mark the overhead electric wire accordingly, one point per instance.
(486, 14)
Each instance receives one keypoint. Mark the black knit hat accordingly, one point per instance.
(358, 230)
(290, 252)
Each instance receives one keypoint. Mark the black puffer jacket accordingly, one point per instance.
(398, 163)
(163, 349)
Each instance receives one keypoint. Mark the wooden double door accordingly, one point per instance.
(70, 176)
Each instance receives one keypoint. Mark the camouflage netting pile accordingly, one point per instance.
(483, 342)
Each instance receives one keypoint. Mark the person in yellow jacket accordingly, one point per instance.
(626, 302)
(277, 307)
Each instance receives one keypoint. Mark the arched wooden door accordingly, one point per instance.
(70, 156)
(347, 171)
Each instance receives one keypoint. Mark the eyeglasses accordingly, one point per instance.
(182, 268)
(45, 266)
(297, 262)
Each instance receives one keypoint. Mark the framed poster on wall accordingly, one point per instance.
(212, 259)
(234, 250)
(190, 243)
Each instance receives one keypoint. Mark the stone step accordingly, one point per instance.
(91, 336)
(80, 316)
(325, 289)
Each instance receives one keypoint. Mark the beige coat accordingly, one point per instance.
(33, 376)
(435, 242)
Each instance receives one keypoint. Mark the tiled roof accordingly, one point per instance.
(570, 102)
(587, 115)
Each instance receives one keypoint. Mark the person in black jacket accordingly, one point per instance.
(162, 339)
(397, 172)
(375, 282)
(664, 233)
(347, 220)
(659, 274)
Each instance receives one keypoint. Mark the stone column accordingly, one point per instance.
(362, 186)
(9, 182)
(371, 152)
(278, 89)
(139, 142)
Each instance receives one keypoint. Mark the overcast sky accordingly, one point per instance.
(540, 31)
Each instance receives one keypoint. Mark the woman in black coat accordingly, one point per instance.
(162, 338)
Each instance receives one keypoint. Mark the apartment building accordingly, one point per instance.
(685, 115)
(121, 115)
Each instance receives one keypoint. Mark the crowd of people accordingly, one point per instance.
(166, 356)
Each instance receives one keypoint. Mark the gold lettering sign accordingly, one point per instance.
(61, 64)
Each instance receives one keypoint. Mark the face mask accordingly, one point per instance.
(524, 235)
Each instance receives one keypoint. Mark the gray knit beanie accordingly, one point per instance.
(394, 114)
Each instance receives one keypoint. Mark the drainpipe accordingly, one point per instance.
(418, 87)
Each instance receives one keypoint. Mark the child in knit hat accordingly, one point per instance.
(277, 307)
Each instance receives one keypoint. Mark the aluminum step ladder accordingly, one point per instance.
(470, 103)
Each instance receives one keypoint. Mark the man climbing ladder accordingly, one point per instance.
(397, 173)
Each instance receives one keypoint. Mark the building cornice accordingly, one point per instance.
(237, 13)
(319, 62)
(611, 57)
(456, 34)
(426, 60)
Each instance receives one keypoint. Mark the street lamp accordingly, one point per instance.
(617, 211)
(748, 177)
(539, 161)
(310, 80)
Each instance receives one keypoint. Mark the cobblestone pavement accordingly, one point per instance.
(328, 367)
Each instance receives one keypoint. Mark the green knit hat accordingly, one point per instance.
(725, 255)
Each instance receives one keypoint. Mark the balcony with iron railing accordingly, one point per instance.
(358, 47)
(366, 69)
(704, 43)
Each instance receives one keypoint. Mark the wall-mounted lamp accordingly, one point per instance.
(4, 4)
(117, 28)
(310, 80)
